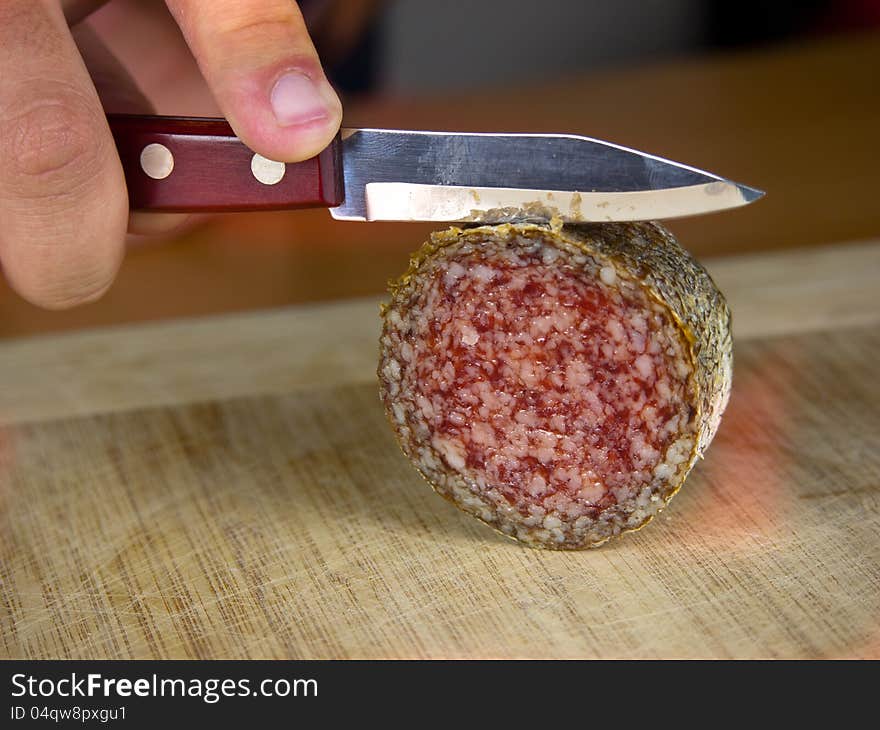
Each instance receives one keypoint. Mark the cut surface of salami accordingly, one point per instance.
(557, 383)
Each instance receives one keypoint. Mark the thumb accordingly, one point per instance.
(262, 67)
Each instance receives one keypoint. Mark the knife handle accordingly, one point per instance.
(189, 164)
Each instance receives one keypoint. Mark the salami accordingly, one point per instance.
(558, 383)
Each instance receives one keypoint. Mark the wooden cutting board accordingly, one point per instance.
(228, 487)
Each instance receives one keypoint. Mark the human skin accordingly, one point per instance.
(63, 204)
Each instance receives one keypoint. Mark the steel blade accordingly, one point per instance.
(409, 202)
(445, 176)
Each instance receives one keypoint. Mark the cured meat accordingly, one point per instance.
(556, 383)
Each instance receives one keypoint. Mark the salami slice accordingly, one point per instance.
(556, 383)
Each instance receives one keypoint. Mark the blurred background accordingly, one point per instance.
(423, 46)
(780, 95)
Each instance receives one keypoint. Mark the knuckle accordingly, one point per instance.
(261, 35)
(267, 20)
(52, 147)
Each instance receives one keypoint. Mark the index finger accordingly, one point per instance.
(260, 63)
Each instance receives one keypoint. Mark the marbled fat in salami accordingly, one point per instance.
(557, 383)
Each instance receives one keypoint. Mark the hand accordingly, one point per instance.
(63, 203)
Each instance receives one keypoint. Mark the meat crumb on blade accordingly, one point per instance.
(558, 383)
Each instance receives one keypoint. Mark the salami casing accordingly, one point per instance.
(558, 383)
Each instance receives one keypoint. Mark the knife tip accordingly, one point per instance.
(750, 194)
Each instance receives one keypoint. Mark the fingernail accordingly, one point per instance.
(296, 99)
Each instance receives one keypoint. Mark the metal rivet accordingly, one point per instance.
(267, 171)
(157, 161)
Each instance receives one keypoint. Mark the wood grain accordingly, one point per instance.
(291, 526)
(211, 169)
(168, 507)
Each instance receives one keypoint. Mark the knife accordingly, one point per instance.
(192, 164)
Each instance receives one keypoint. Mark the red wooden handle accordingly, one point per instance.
(189, 164)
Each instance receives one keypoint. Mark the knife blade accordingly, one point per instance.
(451, 177)
(187, 164)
